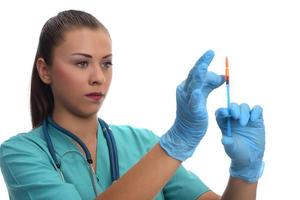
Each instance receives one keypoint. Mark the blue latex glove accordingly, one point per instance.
(247, 144)
(191, 120)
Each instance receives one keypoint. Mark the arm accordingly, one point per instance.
(236, 189)
(152, 181)
(245, 168)
(149, 175)
(245, 148)
(239, 189)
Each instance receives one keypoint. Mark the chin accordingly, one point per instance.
(85, 113)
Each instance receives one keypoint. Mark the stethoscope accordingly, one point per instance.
(111, 144)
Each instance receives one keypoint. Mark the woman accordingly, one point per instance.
(68, 153)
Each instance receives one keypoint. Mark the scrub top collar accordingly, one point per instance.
(64, 145)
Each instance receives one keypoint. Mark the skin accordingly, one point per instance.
(81, 65)
(71, 77)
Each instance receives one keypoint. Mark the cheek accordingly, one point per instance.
(65, 80)
(110, 77)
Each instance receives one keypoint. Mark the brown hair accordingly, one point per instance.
(52, 33)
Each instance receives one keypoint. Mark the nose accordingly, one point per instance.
(96, 75)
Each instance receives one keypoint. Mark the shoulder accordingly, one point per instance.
(27, 142)
(32, 135)
(28, 170)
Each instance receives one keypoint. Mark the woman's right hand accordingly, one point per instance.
(191, 120)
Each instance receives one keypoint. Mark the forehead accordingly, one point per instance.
(92, 41)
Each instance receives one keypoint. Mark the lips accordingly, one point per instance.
(95, 95)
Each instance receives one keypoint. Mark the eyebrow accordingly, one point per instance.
(89, 56)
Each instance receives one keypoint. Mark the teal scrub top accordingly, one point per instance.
(30, 172)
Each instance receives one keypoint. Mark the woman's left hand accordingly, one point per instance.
(246, 146)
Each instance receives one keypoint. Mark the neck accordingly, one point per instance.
(83, 127)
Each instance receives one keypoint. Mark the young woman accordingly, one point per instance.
(71, 154)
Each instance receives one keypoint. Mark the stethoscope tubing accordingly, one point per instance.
(112, 148)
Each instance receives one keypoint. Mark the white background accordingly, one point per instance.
(155, 43)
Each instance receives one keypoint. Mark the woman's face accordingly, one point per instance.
(81, 72)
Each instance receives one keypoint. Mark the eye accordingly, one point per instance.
(106, 64)
(82, 64)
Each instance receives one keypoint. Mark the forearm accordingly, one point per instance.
(238, 189)
(145, 179)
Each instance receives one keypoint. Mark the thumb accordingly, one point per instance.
(212, 82)
(228, 144)
(221, 116)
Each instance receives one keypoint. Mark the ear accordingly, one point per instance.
(43, 70)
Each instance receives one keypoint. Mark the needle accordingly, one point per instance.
(228, 96)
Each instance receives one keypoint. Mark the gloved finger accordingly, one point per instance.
(228, 143)
(200, 68)
(181, 96)
(180, 87)
(245, 114)
(196, 102)
(221, 114)
(198, 79)
(235, 111)
(212, 82)
(206, 57)
(256, 113)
